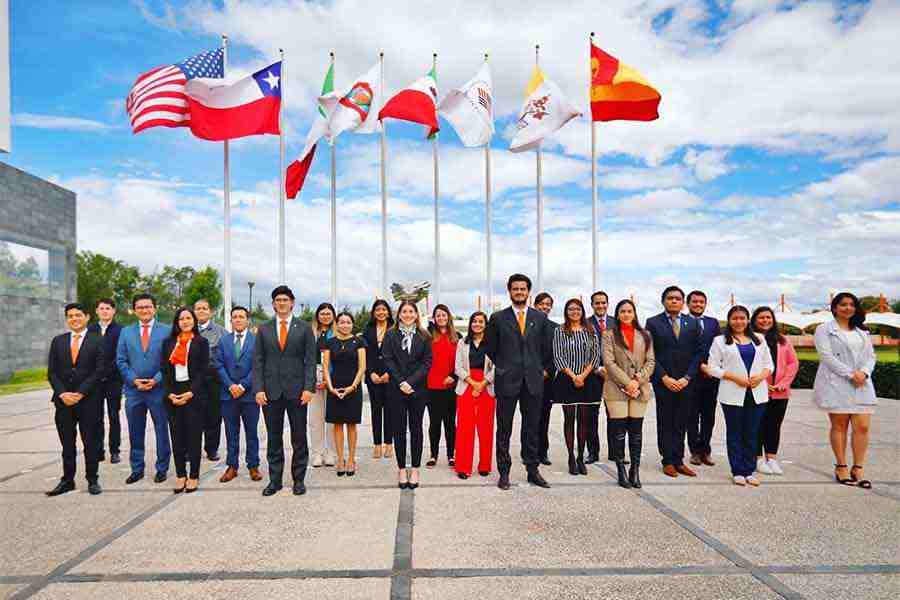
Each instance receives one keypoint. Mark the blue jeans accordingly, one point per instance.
(136, 406)
(741, 429)
(234, 412)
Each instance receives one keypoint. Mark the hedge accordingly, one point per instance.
(886, 377)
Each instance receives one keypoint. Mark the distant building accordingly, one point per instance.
(5, 140)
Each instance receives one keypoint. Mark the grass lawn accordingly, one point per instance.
(885, 354)
(25, 381)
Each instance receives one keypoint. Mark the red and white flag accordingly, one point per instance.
(416, 103)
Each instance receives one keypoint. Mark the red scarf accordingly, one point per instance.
(628, 333)
(179, 354)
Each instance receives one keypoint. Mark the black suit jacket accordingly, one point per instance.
(411, 367)
(84, 375)
(197, 364)
(711, 329)
(374, 354)
(610, 323)
(110, 343)
(519, 358)
(675, 357)
(287, 372)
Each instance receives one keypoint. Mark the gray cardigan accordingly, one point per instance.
(833, 387)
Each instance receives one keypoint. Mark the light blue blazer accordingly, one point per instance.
(133, 363)
(833, 387)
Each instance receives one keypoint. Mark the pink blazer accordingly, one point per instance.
(786, 367)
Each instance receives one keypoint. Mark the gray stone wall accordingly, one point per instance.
(39, 214)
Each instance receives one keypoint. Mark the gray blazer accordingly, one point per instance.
(833, 388)
(623, 365)
(289, 372)
(462, 369)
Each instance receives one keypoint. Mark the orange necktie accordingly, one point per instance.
(521, 318)
(282, 335)
(145, 337)
(74, 347)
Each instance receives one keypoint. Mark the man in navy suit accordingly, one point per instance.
(138, 358)
(110, 384)
(678, 349)
(704, 389)
(234, 364)
(600, 322)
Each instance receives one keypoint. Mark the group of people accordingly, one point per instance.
(195, 374)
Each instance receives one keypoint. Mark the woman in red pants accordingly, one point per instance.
(475, 400)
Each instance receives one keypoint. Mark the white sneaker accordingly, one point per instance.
(762, 466)
(317, 461)
(774, 467)
(330, 460)
(739, 480)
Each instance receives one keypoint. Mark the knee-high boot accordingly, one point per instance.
(635, 445)
(617, 427)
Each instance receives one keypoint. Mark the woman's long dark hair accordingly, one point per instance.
(176, 329)
(617, 330)
(729, 334)
(321, 307)
(373, 322)
(477, 313)
(452, 335)
(584, 323)
(773, 336)
(858, 320)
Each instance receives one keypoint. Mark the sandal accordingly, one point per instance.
(837, 478)
(863, 483)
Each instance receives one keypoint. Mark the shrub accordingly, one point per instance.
(886, 377)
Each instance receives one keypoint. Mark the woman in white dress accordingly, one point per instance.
(843, 386)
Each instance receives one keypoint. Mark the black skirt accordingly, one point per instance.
(565, 392)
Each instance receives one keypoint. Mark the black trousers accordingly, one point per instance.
(672, 412)
(111, 397)
(702, 417)
(770, 429)
(186, 431)
(274, 413)
(530, 408)
(544, 429)
(442, 410)
(212, 418)
(407, 411)
(70, 420)
(381, 423)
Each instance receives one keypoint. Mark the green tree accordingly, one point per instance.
(895, 306)
(102, 277)
(259, 314)
(869, 303)
(205, 284)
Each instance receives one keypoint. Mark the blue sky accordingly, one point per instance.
(774, 167)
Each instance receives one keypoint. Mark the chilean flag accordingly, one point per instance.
(250, 106)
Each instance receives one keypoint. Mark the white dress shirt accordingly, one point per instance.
(181, 371)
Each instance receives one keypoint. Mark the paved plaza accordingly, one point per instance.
(797, 536)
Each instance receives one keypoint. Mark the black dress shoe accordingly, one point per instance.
(134, 477)
(61, 488)
(484, 473)
(114, 458)
(101, 457)
(94, 488)
(546, 462)
(503, 482)
(462, 475)
(271, 489)
(299, 488)
(534, 478)
(213, 456)
(160, 476)
(573, 466)
(582, 470)
(591, 458)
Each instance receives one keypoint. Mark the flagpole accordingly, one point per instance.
(540, 207)
(384, 244)
(487, 223)
(437, 222)
(334, 260)
(282, 254)
(595, 208)
(226, 281)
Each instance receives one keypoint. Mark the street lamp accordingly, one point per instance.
(250, 285)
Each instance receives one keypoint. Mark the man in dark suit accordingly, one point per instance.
(74, 367)
(600, 322)
(284, 379)
(544, 303)
(704, 388)
(518, 341)
(678, 349)
(234, 363)
(110, 384)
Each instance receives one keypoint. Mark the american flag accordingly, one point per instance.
(158, 96)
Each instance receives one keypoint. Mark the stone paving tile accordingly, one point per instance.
(829, 587)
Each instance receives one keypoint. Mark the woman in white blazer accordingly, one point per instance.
(741, 359)
(843, 386)
(475, 402)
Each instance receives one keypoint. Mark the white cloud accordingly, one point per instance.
(708, 164)
(38, 121)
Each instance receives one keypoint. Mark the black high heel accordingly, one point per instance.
(863, 483)
(848, 481)
(573, 468)
(582, 469)
(623, 478)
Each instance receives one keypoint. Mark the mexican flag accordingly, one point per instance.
(416, 103)
(297, 170)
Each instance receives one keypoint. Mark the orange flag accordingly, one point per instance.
(619, 92)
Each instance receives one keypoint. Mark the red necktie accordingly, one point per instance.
(145, 337)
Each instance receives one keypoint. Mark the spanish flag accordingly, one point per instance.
(618, 92)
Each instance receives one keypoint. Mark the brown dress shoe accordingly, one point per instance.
(707, 460)
(229, 474)
(696, 460)
(670, 471)
(255, 475)
(686, 470)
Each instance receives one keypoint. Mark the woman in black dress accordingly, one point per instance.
(576, 355)
(377, 378)
(344, 368)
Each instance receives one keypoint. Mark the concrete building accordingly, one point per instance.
(37, 266)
